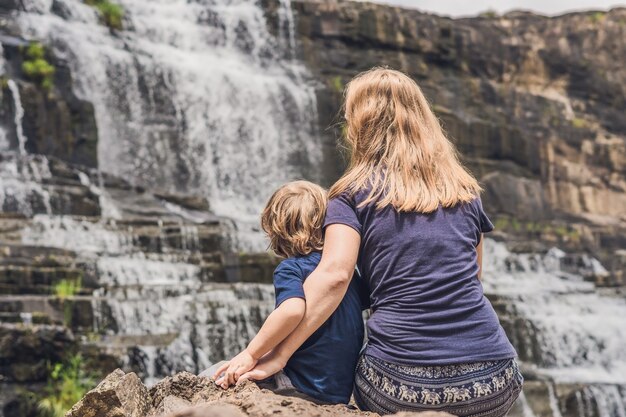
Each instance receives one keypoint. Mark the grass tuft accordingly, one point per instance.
(67, 288)
(489, 14)
(36, 67)
(67, 383)
(112, 14)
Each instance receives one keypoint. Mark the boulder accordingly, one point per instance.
(212, 410)
(188, 395)
(118, 395)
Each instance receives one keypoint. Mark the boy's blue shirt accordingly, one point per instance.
(323, 367)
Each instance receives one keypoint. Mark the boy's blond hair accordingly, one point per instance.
(293, 218)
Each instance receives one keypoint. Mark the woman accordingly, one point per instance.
(408, 214)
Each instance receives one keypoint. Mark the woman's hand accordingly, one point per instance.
(268, 365)
(234, 369)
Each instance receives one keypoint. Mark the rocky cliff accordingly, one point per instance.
(534, 104)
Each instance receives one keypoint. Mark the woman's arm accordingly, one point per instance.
(324, 290)
(479, 253)
(276, 328)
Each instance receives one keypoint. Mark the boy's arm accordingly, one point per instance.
(276, 328)
(290, 309)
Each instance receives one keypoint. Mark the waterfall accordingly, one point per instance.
(159, 310)
(579, 333)
(572, 333)
(21, 188)
(193, 96)
(19, 115)
(4, 140)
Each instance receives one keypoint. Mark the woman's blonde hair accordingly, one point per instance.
(398, 148)
(293, 218)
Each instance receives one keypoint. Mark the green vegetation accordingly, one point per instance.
(110, 13)
(64, 289)
(507, 224)
(344, 130)
(36, 67)
(67, 383)
(489, 14)
(440, 109)
(579, 123)
(337, 84)
(67, 288)
(597, 17)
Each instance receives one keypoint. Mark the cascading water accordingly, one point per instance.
(156, 309)
(572, 332)
(193, 96)
(19, 115)
(4, 140)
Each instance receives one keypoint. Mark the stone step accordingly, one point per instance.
(35, 276)
(26, 318)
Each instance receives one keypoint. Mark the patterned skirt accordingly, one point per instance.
(485, 389)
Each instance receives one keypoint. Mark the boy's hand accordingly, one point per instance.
(233, 369)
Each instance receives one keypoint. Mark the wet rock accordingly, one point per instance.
(118, 395)
(25, 351)
(256, 267)
(187, 201)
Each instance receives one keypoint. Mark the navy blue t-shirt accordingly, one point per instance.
(324, 365)
(428, 306)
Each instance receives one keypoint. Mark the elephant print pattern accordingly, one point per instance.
(459, 389)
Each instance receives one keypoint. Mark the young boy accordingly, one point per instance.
(323, 368)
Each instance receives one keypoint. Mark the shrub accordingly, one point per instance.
(110, 13)
(597, 17)
(579, 123)
(489, 14)
(67, 288)
(67, 383)
(337, 84)
(36, 67)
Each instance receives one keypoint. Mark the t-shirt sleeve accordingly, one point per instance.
(288, 282)
(342, 210)
(484, 224)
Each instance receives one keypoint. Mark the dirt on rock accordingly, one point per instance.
(188, 395)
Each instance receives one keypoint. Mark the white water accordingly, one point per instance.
(19, 115)
(4, 140)
(193, 96)
(77, 235)
(580, 333)
(21, 190)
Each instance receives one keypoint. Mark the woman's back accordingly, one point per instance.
(434, 339)
(428, 306)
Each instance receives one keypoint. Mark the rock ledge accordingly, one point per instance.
(187, 395)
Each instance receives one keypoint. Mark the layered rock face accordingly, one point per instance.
(534, 104)
(156, 285)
